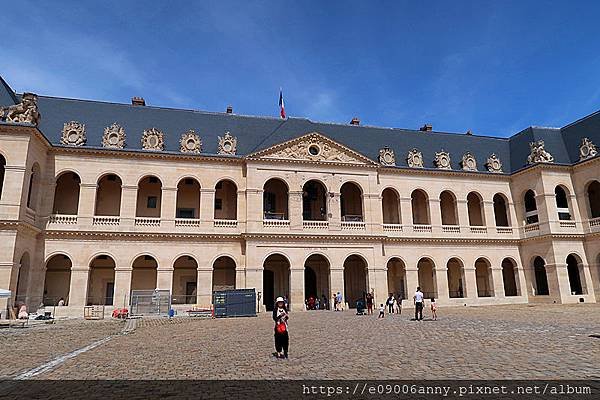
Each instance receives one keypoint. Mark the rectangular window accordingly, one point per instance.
(185, 213)
(218, 204)
(152, 201)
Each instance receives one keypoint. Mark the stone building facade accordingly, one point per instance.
(98, 199)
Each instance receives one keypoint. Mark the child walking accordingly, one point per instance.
(381, 311)
(433, 309)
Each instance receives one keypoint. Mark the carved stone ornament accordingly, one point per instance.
(73, 134)
(152, 139)
(442, 160)
(190, 142)
(24, 112)
(227, 144)
(494, 164)
(587, 149)
(114, 136)
(468, 162)
(538, 153)
(415, 159)
(387, 156)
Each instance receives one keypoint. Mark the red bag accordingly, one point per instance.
(280, 328)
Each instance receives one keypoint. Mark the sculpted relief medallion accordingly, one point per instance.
(442, 160)
(387, 156)
(227, 144)
(415, 159)
(152, 139)
(538, 153)
(587, 149)
(494, 164)
(468, 162)
(315, 147)
(190, 142)
(73, 134)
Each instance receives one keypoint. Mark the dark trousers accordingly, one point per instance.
(418, 310)
(391, 308)
(282, 341)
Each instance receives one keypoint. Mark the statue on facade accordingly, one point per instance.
(415, 159)
(468, 162)
(387, 157)
(494, 164)
(24, 112)
(538, 153)
(442, 160)
(227, 144)
(587, 149)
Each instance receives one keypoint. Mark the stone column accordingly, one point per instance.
(490, 218)
(254, 210)
(78, 286)
(522, 282)
(128, 205)
(204, 287)
(498, 281)
(241, 206)
(12, 192)
(254, 279)
(470, 283)
(435, 215)
(513, 220)
(164, 279)
(558, 281)
(122, 287)
(297, 289)
(334, 211)
(406, 211)
(373, 213)
(8, 279)
(337, 282)
(378, 283)
(441, 280)
(168, 204)
(207, 205)
(463, 214)
(295, 210)
(240, 277)
(87, 201)
(412, 281)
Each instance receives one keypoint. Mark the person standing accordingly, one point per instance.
(282, 338)
(418, 301)
(433, 309)
(339, 301)
(390, 304)
(381, 311)
(369, 304)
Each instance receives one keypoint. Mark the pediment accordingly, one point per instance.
(313, 147)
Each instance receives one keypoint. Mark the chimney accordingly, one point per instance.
(229, 109)
(355, 121)
(426, 128)
(138, 101)
(469, 132)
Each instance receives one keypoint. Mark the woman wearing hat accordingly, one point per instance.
(282, 339)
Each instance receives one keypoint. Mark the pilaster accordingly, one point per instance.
(78, 286)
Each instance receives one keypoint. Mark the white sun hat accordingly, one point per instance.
(279, 299)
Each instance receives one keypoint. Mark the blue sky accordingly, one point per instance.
(492, 67)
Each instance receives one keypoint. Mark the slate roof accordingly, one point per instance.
(258, 133)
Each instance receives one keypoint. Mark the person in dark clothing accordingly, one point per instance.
(282, 338)
(390, 303)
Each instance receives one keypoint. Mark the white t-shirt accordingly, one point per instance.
(419, 296)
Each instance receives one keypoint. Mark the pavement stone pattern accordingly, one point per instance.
(508, 342)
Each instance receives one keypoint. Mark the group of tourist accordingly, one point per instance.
(314, 303)
(419, 302)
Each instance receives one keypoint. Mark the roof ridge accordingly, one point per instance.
(581, 119)
(10, 91)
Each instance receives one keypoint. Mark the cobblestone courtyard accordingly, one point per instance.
(523, 342)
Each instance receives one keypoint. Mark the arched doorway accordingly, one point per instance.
(420, 208)
(351, 202)
(448, 208)
(188, 199)
(531, 215)
(149, 197)
(483, 275)
(108, 196)
(223, 274)
(562, 204)
(66, 194)
(427, 281)
(575, 272)
(316, 277)
(276, 280)
(355, 279)
(185, 276)
(314, 201)
(475, 207)
(541, 278)
(58, 280)
(225, 200)
(101, 281)
(510, 277)
(501, 210)
(456, 278)
(593, 197)
(390, 203)
(144, 274)
(275, 200)
(396, 278)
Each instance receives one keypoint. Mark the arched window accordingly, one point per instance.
(314, 201)
(420, 208)
(188, 199)
(58, 280)
(576, 275)
(149, 197)
(531, 215)
(500, 210)
(351, 202)
(185, 278)
(562, 204)
(66, 194)
(275, 199)
(2, 168)
(456, 278)
(448, 208)
(390, 203)
(101, 281)
(541, 279)
(108, 196)
(475, 207)
(225, 200)
(510, 278)
(144, 274)
(34, 187)
(483, 276)
(593, 195)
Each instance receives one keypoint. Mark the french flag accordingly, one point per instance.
(281, 105)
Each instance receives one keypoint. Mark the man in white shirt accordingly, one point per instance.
(418, 300)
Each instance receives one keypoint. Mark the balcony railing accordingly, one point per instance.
(106, 220)
(320, 225)
(594, 224)
(147, 221)
(531, 228)
(275, 223)
(450, 228)
(504, 230)
(478, 230)
(422, 228)
(62, 219)
(353, 226)
(392, 227)
(567, 224)
(225, 223)
(187, 222)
